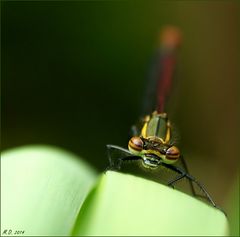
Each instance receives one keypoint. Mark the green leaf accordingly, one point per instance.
(43, 189)
(123, 204)
(233, 206)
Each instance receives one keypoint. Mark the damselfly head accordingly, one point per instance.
(153, 151)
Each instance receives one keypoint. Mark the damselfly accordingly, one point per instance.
(152, 145)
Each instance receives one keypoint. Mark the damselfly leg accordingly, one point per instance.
(116, 163)
(117, 155)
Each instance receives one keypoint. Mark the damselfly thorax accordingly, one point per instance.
(153, 144)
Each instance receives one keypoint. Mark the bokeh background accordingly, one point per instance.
(73, 75)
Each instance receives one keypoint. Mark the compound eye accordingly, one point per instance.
(135, 144)
(172, 153)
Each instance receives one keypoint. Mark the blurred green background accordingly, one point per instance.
(73, 75)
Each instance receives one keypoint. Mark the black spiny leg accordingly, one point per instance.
(117, 155)
(186, 169)
(170, 183)
(202, 189)
(206, 193)
(190, 182)
(184, 174)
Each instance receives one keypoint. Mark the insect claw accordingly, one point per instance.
(171, 185)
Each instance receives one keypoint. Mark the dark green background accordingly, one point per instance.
(73, 75)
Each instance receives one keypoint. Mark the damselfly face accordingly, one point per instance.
(152, 151)
(153, 144)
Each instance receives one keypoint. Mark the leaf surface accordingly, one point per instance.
(43, 188)
(123, 204)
